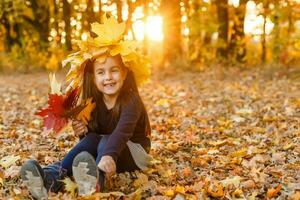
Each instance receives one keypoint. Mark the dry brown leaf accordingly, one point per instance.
(215, 189)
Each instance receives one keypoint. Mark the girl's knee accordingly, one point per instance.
(91, 137)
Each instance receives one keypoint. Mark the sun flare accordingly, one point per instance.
(153, 28)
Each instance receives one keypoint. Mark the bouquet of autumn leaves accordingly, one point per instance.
(63, 107)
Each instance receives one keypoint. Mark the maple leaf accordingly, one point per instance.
(70, 186)
(85, 113)
(124, 48)
(108, 33)
(55, 115)
(62, 108)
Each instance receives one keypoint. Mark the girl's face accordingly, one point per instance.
(109, 76)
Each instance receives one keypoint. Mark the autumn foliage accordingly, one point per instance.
(62, 108)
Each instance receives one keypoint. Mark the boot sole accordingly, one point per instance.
(33, 180)
(85, 172)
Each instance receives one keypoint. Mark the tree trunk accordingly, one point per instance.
(41, 21)
(90, 14)
(119, 10)
(66, 16)
(237, 45)
(222, 9)
(291, 27)
(276, 34)
(146, 39)
(100, 12)
(263, 41)
(172, 30)
(57, 39)
(8, 38)
(130, 11)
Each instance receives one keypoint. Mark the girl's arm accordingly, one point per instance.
(124, 129)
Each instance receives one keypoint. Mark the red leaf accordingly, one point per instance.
(71, 99)
(54, 115)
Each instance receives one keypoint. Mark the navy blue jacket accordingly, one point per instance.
(132, 124)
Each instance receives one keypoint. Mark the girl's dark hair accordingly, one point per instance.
(128, 91)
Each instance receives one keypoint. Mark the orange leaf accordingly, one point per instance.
(180, 189)
(85, 114)
(215, 189)
(273, 192)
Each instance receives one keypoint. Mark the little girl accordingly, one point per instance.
(116, 139)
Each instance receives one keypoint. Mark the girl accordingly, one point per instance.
(116, 138)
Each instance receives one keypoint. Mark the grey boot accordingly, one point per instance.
(32, 175)
(85, 172)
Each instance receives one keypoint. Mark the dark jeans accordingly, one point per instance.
(94, 144)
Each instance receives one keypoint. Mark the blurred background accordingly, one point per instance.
(189, 34)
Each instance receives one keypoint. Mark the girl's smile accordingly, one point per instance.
(109, 76)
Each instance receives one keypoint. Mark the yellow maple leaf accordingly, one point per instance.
(240, 153)
(124, 48)
(70, 186)
(180, 189)
(108, 33)
(169, 193)
(85, 114)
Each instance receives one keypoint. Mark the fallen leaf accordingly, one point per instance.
(240, 153)
(249, 184)
(238, 193)
(231, 181)
(215, 189)
(142, 180)
(273, 191)
(217, 143)
(180, 189)
(7, 161)
(169, 193)
(70, 186)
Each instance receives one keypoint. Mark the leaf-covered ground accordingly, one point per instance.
(225, 134)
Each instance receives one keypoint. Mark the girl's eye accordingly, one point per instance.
(115, 70)
(100, 72)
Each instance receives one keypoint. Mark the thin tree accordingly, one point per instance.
(40, 21)
(66, 17)
(237, 46)
(223, 19)
(263, 40)
(119, 10)
(170, 10)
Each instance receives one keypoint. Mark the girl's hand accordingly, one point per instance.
(108, 165)
(79, 128)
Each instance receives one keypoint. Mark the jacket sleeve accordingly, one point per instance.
(124, 129)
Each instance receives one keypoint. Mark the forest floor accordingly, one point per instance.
(228, 134)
